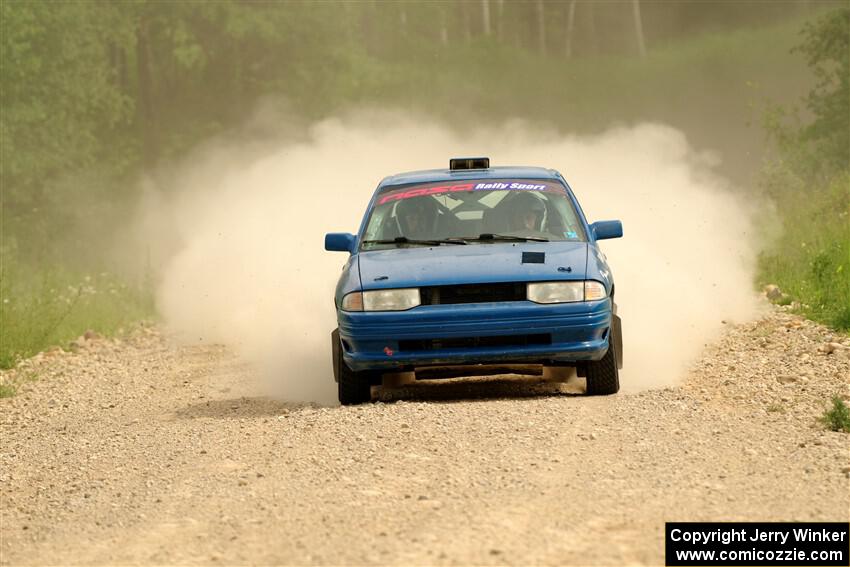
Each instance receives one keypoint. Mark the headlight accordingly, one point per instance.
(565, 292)
(381, 300)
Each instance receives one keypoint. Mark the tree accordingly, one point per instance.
(541, 26)
(827, 51)
(485, 16)
(638, 22)
(571, 18)
(61, 94)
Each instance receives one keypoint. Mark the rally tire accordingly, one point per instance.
(617, 337)
(354, 387)
(603, 376)
(336, 353)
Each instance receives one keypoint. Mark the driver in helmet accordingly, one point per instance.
(526, 213)
(417, 217)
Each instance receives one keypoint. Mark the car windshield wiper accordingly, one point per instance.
(509, 238)
(406, 240)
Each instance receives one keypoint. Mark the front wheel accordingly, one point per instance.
(603, 376)
(353, 387)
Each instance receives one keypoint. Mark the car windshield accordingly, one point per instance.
(472, 212)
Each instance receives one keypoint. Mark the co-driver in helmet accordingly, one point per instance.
(417, 217)
(527, 213)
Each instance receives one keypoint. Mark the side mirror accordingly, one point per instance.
(607, 229)
(339, 242)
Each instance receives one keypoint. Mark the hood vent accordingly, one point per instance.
(534, 257)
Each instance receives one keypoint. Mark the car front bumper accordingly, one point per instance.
(478, 333)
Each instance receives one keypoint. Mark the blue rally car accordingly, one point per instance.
(454, 269)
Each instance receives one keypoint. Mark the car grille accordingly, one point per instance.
(475, 342)
(473, 293)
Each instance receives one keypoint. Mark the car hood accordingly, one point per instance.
(475, 263)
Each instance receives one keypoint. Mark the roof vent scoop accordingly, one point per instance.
(460, 164)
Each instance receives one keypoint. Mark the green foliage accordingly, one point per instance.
(827, 51)
(810, 182)
(810, 261)
(7, 390)
(54, 306)
(95, 92)
(837, 418)
(60, 98)
(108, 88)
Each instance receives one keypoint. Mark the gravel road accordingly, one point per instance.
(143, 452)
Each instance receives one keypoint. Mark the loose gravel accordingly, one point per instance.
(143, 452)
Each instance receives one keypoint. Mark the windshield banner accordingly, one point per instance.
(442, 187)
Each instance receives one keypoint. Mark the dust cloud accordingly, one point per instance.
(239, 239)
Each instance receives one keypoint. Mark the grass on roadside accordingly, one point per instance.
(7, 391)
(11, 383)
(811, 260)
(53, 307)
(837, 418)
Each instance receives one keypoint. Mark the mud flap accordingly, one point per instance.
(336, 353)
(617, 337)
